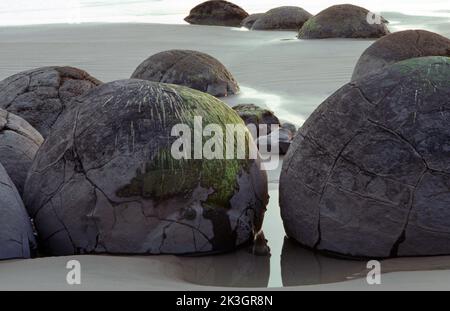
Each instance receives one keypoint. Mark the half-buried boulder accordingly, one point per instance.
(108, 178)
(194, 69)
(16, 234)
(217, 13)
(368, 174)
(399, 46)
(250, 20)
(282, 18)
(41, 95)
(343, 21)
(252, 114)
(19, 142)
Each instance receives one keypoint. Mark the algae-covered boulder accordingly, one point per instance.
(41, 95)
(19, 142)
(399, 46)
(343, 21)
(282, 18)
(368, 173)
(110, 177)
(217, 13)
(250, 20)
(253, 114)
(194, 69)
(16, 234)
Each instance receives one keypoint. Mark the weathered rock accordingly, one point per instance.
(16, 235)
(19, 142)
(252, 114)
(399, 46)
(369, 171)
(289, 127)
(283, 136)
(342, 21)
(217, 13)
(105, 180)
(41, 95)
(194, 69)
(250, 20)
(282, 18)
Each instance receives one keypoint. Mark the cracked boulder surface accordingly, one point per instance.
(105, 180)
(368, 174)
(282, 18)
(16, 234)
(217, 13)
(342, 21)
(19, 142)
(41, 95)
(193, 69)
(250, 20)
(400, 46)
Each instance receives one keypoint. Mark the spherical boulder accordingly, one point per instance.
(110, 179)
(217, 13)
(19, 142)
(41, 95)
(16, 234)
(253, 114)
(282, 18)
(194, 69)
(343, 21)
(368, 173)
(250, 20)
(399, 46)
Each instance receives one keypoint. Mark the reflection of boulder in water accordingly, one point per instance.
(236, 269)
(302, 266)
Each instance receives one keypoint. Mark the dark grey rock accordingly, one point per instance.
(217, 13)
(368, 173)
(399, 46)
(194, 69)
(105, 181)
(283, 136)
(253, 114)
(250, 20)
(342, 21)
(282, 18)
(19, 142)
(16, 235)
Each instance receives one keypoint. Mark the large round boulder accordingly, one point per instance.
(19, 142)
(368, 174)
(194, 69)
(250, 20)
(107, 179)
(41, 95)
(343, 21)
(16, 234)
(282, 18)
(399, 46)
(217, 13)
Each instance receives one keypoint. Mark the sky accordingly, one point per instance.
(22, 12)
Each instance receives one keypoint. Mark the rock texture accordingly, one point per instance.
(253, 114)
(283, 136)
(41, 95)
(105, 180)
(19, 142)
(194, 69)
(342, 21)
(250, 20)
(399, 46)
(368, 173)
(282, 18)
(217, 13)
(16, 235)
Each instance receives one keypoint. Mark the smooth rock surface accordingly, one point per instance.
(193, 69)
(217, 13)
(16, 235)
(342, 21)
(41, 95)
(282, 18)
(399, 46)
(105, 180)
(250, 20)
(368, 173)
(19, 142)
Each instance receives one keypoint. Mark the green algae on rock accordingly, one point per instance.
(106, 181)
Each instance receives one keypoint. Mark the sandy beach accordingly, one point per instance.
(275, 70)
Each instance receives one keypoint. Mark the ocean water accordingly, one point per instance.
(28, 12)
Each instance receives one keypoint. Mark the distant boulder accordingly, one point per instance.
(217, 13)
(343, 21)
(252, 114)
(282, 18)
(250, 20)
